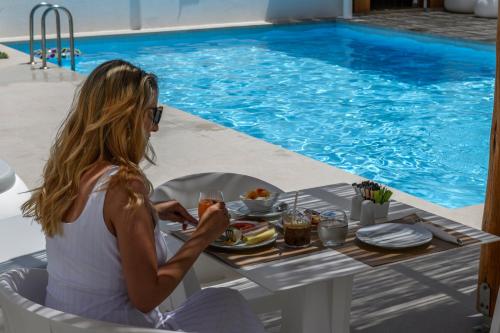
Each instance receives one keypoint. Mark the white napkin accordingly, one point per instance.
(440, 233)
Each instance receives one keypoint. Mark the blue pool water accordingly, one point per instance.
(409, 111)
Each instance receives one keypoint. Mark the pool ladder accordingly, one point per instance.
(56, 9)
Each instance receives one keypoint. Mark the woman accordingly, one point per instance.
(106, 255)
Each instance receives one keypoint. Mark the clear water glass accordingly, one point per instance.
(332, 228)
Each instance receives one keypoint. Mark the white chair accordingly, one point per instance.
(207, 270)
(186, 189)
(13, 191)
(22, 294)
(19, 236)
(486, 8)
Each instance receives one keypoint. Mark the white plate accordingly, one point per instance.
(394, 235)
(238, 209)
(241, 246)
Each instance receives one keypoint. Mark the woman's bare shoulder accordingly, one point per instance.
(122, 189)
(125, 200)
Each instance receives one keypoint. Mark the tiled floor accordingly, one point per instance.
(436, 22)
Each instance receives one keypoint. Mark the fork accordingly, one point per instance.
(232, 236)
(229, 234)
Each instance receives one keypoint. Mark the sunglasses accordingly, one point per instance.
(157, 111)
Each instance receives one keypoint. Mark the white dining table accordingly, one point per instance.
(315, 289)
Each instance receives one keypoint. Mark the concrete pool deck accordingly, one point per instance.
(432, 295)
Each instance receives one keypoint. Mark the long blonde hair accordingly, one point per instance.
(106, 123)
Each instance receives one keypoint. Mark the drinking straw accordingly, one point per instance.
(295, 206)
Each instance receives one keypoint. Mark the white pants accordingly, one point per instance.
(214, 310)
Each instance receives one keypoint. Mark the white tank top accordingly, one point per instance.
(85, 271)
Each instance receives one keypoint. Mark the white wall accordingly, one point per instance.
(88, 15)
(103, 15)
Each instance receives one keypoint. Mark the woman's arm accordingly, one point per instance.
(172, 210)
(148, 285)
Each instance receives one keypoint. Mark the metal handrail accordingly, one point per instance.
(71, 37)
(32, 29)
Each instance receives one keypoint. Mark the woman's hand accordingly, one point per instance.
(174, 211)
(214, 222)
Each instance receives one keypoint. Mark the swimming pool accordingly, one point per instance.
(409, 111)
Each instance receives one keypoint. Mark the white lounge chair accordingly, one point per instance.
(22, 294)
(19, 236)
(460, 6)
(13, 191)
(486, 8)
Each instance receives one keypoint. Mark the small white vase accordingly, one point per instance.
(356, 207)
(381, 210)
(367, 213)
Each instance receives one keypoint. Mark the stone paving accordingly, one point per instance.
(435, 22)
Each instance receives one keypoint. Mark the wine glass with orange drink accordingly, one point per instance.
(207, 199)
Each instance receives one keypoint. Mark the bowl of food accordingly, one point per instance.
(259, 200)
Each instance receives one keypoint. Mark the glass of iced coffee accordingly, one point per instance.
(296, 229)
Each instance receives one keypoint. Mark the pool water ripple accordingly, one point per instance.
(411, 112)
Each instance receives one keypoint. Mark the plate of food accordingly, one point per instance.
(246, 235)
